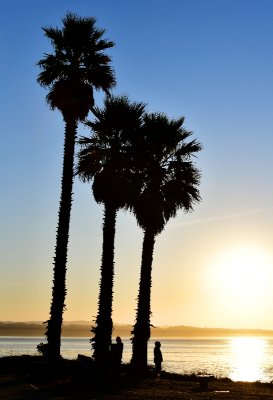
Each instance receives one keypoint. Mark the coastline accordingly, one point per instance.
(27, 377)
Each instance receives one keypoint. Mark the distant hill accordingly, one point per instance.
(82, 329)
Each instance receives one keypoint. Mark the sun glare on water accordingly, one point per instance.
(247, 355)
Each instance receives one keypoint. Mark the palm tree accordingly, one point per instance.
(169, 182)
(106, 159)
(77, 66)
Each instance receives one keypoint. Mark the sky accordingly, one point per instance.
(210, 61)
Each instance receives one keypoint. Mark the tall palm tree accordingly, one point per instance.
(77, 66)
(169, 182)
(105, 159)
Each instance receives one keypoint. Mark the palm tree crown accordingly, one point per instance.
(106, 156)
(169, 178)
(77, 65)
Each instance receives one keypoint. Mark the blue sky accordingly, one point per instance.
(208, 60)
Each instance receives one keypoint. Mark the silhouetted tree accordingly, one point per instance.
(106, 159)
(77, 66)
(169, 182)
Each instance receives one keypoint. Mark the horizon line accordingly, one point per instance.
(75, 322)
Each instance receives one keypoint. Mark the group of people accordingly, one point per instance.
(117, 350)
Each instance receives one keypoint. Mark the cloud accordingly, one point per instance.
(222, 218)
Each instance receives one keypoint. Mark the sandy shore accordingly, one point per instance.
(28, 379)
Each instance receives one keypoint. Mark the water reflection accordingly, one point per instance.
(247, 356)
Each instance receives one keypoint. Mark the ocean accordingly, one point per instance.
(238, 358)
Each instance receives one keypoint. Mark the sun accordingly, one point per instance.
(241, 276)
(243, 272)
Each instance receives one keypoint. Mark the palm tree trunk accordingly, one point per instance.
(141, 331)
(104, 325)
(54, 325)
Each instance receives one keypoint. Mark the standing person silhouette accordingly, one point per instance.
(119, 349)
(116, 353)
(157, 356)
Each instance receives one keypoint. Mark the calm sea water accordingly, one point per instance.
(240, 358)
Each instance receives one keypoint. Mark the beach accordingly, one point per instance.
(27, 378)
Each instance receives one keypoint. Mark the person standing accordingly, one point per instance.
(158, 359)
(116, 353)
(119, 350)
